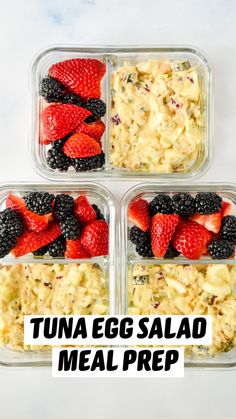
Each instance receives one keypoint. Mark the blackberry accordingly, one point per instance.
(72, 99)
(51, 89)
(161, 203)
(58, 144)
(41, 251)
(39, 202)
(11, 223)
(7, 242)
(57, 248)
(89, 163)
(221, 249)
(137, 236)
(228, 228)
(207, 202)
(70, 228)
(171, 252)
(97, 107)
(99, 213)
(63, 206)
(56, 158)
(144, 250)
(183, 204)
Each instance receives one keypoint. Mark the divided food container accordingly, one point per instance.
(116, 58)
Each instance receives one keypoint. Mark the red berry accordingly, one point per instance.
(60, 120)
(191, 239)
(74, 250)
(80, 75)
(84, 210)
(81, 145)
(94, 129)
(95, 238)
(226, 209)
(162, 229)
(211, 222)
(139, 214)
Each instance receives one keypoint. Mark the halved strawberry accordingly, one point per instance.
(191, 239)
(94, 129)
(95, 238)
(84, 210)
(211, 222)
(162, 229)
(31, 220)
(61, 119)
(138, 214)
(227, 209)
(81, 145)
(75, 250)
(80, 75)
(30, 241)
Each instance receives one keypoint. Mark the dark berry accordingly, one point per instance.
(171, 252)
(208, 202)
(89, 163)
(7, 242)
(228, 228)
(39, 202)
(99, 213)
(137, 236)
(97, 107)
(72, 99)
(221, 249)
(57, 248)
(63, 206)
(10, 223)
(51, 89)
(161, 203)
(183, 204)
(144, 250)
(41, 251)
(70, 228)
(56, 158)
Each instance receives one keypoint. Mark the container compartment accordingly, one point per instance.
(113, 58)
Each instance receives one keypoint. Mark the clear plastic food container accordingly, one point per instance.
(139, 290)
(31, 278)
(172, 166)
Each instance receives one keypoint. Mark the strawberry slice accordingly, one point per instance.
(227, 209)
(94, 130)
(162, 229)
(95, 238)
(81, 145)
(191, 239)
(138, 214)
(59, 120)
(80, 75)
(30, 241)
(84, 210)
(211, 222)
(31, 220)
(75, 250)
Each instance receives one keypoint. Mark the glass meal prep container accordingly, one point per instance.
(152, 285)
(54, 285)
(160, 93)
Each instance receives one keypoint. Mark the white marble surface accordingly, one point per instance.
(26, 27)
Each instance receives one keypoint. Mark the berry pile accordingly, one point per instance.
(61, 226)
(183, 224)
(72, 118)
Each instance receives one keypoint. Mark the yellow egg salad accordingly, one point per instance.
(48, 289)
(157, 121)
(170, 289)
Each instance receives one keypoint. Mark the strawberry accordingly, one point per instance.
(80, 75)
(211, 222)
(95, 238)
(60, 119)
(81, 145)
(94, 130)
(162, 229)
(191, 239)
(84, 210)
(226, 209)
(138, 214)
(31, 220)
(74, 250)
(30, 241)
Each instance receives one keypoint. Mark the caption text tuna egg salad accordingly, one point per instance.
(157, 122)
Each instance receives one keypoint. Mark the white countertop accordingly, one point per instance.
(27, 27)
